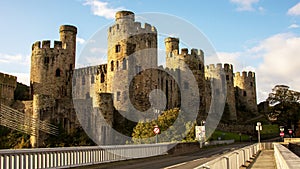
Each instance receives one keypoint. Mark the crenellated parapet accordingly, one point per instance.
(125, 22)
(219, 66)
(245, 74)
(46, 44)
(9, 80)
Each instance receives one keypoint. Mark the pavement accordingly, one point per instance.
(265, 160)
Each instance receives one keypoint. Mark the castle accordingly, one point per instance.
(105, 95)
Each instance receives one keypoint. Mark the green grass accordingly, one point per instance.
(270, 129)
(229, 136)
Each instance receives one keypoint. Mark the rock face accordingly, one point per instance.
(127, 81)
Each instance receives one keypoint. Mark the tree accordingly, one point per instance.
(172, 124)
(284, 105)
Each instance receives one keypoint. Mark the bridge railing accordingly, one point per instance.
(236, 159)
(285, 159)
(76, 156)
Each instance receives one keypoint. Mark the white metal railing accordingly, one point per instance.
(285, 159)
(77, 156)
(235, 159)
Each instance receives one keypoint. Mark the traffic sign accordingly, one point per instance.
(281, 134)
(156, 129)
(290, 131)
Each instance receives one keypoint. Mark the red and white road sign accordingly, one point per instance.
(156, 129)
(281, 134)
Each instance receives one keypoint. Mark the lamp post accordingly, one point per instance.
(258, 128)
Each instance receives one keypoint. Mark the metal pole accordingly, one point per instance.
(258, 135)
(156, 138)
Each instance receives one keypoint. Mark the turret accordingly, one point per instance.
(172, 45)
(245, 87)
(68, 36)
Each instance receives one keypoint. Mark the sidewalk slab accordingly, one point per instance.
(265, 160)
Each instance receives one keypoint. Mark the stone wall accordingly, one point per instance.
(8, 84)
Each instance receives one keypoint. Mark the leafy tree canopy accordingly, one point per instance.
(173, 128)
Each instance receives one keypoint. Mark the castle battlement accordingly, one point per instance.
(8, 79)
(245, 74)
(190, 55)
(194, 52)
(91, 70)
(46, 44)
(125, 22)
(136, 29)
(220, 66)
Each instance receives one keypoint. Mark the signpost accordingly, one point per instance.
(156, 130)
(258, 128)
(291, 132)
(200, 134)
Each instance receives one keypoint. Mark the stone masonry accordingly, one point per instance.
(126, 82)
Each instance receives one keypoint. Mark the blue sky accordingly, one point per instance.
(258, 35)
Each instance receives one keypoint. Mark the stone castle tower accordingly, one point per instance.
(185, 61)
(131, 49)
(245, 88)
(223, 74)
(51, 79)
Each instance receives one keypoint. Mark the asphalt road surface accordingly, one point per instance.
(184, 161)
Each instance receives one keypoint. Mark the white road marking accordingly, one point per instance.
(200, 159)
(176, 165)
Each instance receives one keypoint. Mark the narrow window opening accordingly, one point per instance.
(92, 79)
(118, 48)
(118, 96)
(227, 77)
(102, 78)
(112, 65)
(46, 60)
(57, 72)
(124, 64)
(83, 81)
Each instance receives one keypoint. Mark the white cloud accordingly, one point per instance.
(80, 40)
(295, 10)
(275, 60)
(293, 26)
(245, 5)
(280, 65)
(7, 58)
(102, 9)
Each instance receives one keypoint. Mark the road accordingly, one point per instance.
(183, 161)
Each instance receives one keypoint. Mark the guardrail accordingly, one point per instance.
(77, 156)
(285, 159)
(236, 159)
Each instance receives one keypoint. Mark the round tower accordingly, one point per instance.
(172, 46)
(230, 98)
(245, 86)
(68, 37)
(131, 49)
(187, 62)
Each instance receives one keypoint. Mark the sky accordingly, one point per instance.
(254, 35)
